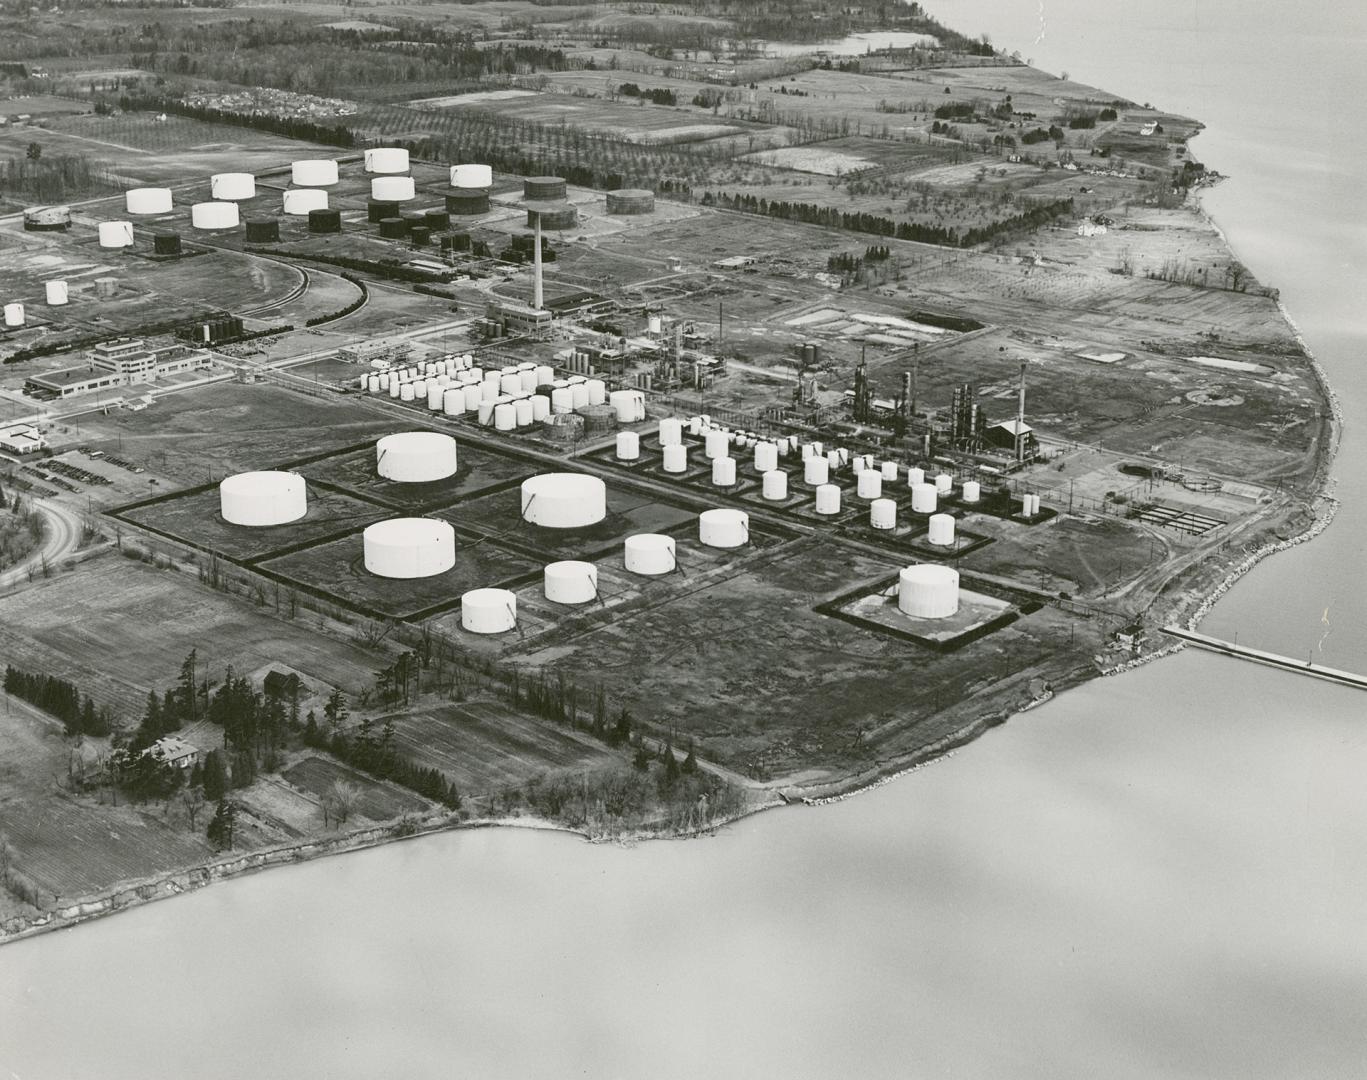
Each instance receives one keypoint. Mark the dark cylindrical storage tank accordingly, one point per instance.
(631, 201)
(393, 228)
(412, 218)
(460, 241)
(436, 220)
(263, 230)
(166, 243)
(446, 243)
(421, 235)
(565, 217)
(468, 203)
(543, 188)
(377, 210)
(325, 221)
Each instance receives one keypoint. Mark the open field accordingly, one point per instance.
(378, 800)
(477, 469)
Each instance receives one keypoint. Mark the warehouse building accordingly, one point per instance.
(121, 362)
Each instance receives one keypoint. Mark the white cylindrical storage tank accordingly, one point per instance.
(723, 471)
(541, 407)
(564, 500)
(409, 547)
(915, 476)
(55, 292)
(544, 374)
(775, 485)
(505, 417)
(232, 186)
(766, 457)
(923, 499)
(630, 405)
(313, 172)
(386, 159)
(943, 483)
(436, 394)
(927, 591)
(723, 528)
(858, 462)
(214, 215)
(562, 399)
(392, 189)
(262, 498)
(870, 484)
(524, 412)
(834, 460)
(488, 611)
(889, 471)
(474, 394)
(471, 176)
(484, 415)
(818, 448)
(14, 314)
(671, 431)
(676, 458)
(526, 377)
(373, 384)
(883, 514)
(570, 582)
(489, 391)
(299, 201)
(972, 491)
(579, 394)
(148, 200)
(816, 471)
(808, 451)
(628, 446)
(406, 391)
(695, 425)
(941, 530)
(598, 391)
(416, 457)
(394, 387)
(116, 234)
(716, 444)
(510, 383)
(453, 401)
(649, 553)
(1031, 505)
(828, 499)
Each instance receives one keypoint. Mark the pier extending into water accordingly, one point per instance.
(1259, 656)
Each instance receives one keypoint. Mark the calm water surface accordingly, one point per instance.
(1159, 875)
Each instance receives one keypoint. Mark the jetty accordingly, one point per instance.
(1270, 659)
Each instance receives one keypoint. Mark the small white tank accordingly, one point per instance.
(816, 471)
(775, 485)
(406, 391)
(889, 471)
(314, 172)
(579, 394)
(232, 186)
(488, 611)
(215, 215)
(766, 457)
(474, 394)
(386, 159)
(870, 484)
(833, 460)
(116, 234)
(676, 458)
(392, 189)
(453, 401)
(527, 377)
(943, 484)
(510, 383)
(471, 176)
(1030, 505)
(436, 393)
(828, 499)
(299, 201)
(544, 374)
(628, 446)
(649, 553)
(505, 417)
(570, 582)
(717, 444)
(562, 399)
(915, 476)
(723, 528)
(671, 431)
(883, 514)
(723, 472)
(14, 314)
(807, 452)
(972, 491)
(541, 407)
(152, 200)
(941, 530)
(598, 391)
(923, 499)
(695, 425)
(55, 292)
(526, 415)
(858, 463)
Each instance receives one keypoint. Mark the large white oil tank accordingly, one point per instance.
(883, 514)
(314, 172)
(870, 484)
(972, 491)
(562, 399)
(923, 499)
(775, 485)
(630, 405)
(723, 528)
(628, 446)
(941, 530)
(676, 459)
(55, 293)
(766, 457)
(649, 553)
(943, 483)
(416, 457)
(564, 500)
(232, 185)
(671, 431)
(889, 471)
(828, 499)
(816, 471)
(392, 189)
(409, 547)
(928, 591)
(598, 391)
(386, 159)
(148, 200)
(471, 176)
(717, 444)
(299, 201)
(116, 234)
(488, 611)
(570, 582)
(723, 471)
(262, 498)
(14, 314)
(214, 215)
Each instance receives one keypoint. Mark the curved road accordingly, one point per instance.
(62, 531)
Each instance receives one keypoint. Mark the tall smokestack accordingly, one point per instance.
(906, 395)
(1020, 418)
(537, 298)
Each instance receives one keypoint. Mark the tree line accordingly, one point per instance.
(61, 698)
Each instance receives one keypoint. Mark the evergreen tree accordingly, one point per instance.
(215, 776)
(223, 825)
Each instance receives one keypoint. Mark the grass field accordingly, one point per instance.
(378, 800)
(477, 469)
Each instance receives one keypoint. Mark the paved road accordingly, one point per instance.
(62, 530)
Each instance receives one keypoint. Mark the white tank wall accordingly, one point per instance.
(628, 446)
(392, 188)
(471, 176)
(676, 459)
(775, 485)
(941, 530)
(55, 292)
(116, 234)
(299, 201)
(649, 553)
(723, 471)
(262, 498)
(924, 498)
(153, 200)
(630, 405)
(215, 215)
(409, 547)
(671, 431)
(870, 484)
(14, 314)
(488, 611)
(915, 476)
(724, 528)
(889, 471)
(232, 185)
(816, 471)
(928, 591)
(564, 500)
(883, 514)
(828, 499)
(765, 457)
(943, 483)
(415, 457)
(314, 172)
(570, 582)
(386, 159)
(972, 491)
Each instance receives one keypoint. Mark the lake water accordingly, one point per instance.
(853, 44)
(1157, 875)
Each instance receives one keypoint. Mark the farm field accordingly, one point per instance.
(379, 800)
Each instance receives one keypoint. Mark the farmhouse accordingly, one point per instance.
(174, 751)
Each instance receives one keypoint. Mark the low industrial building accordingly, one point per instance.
(122, 362)
(21, 439)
